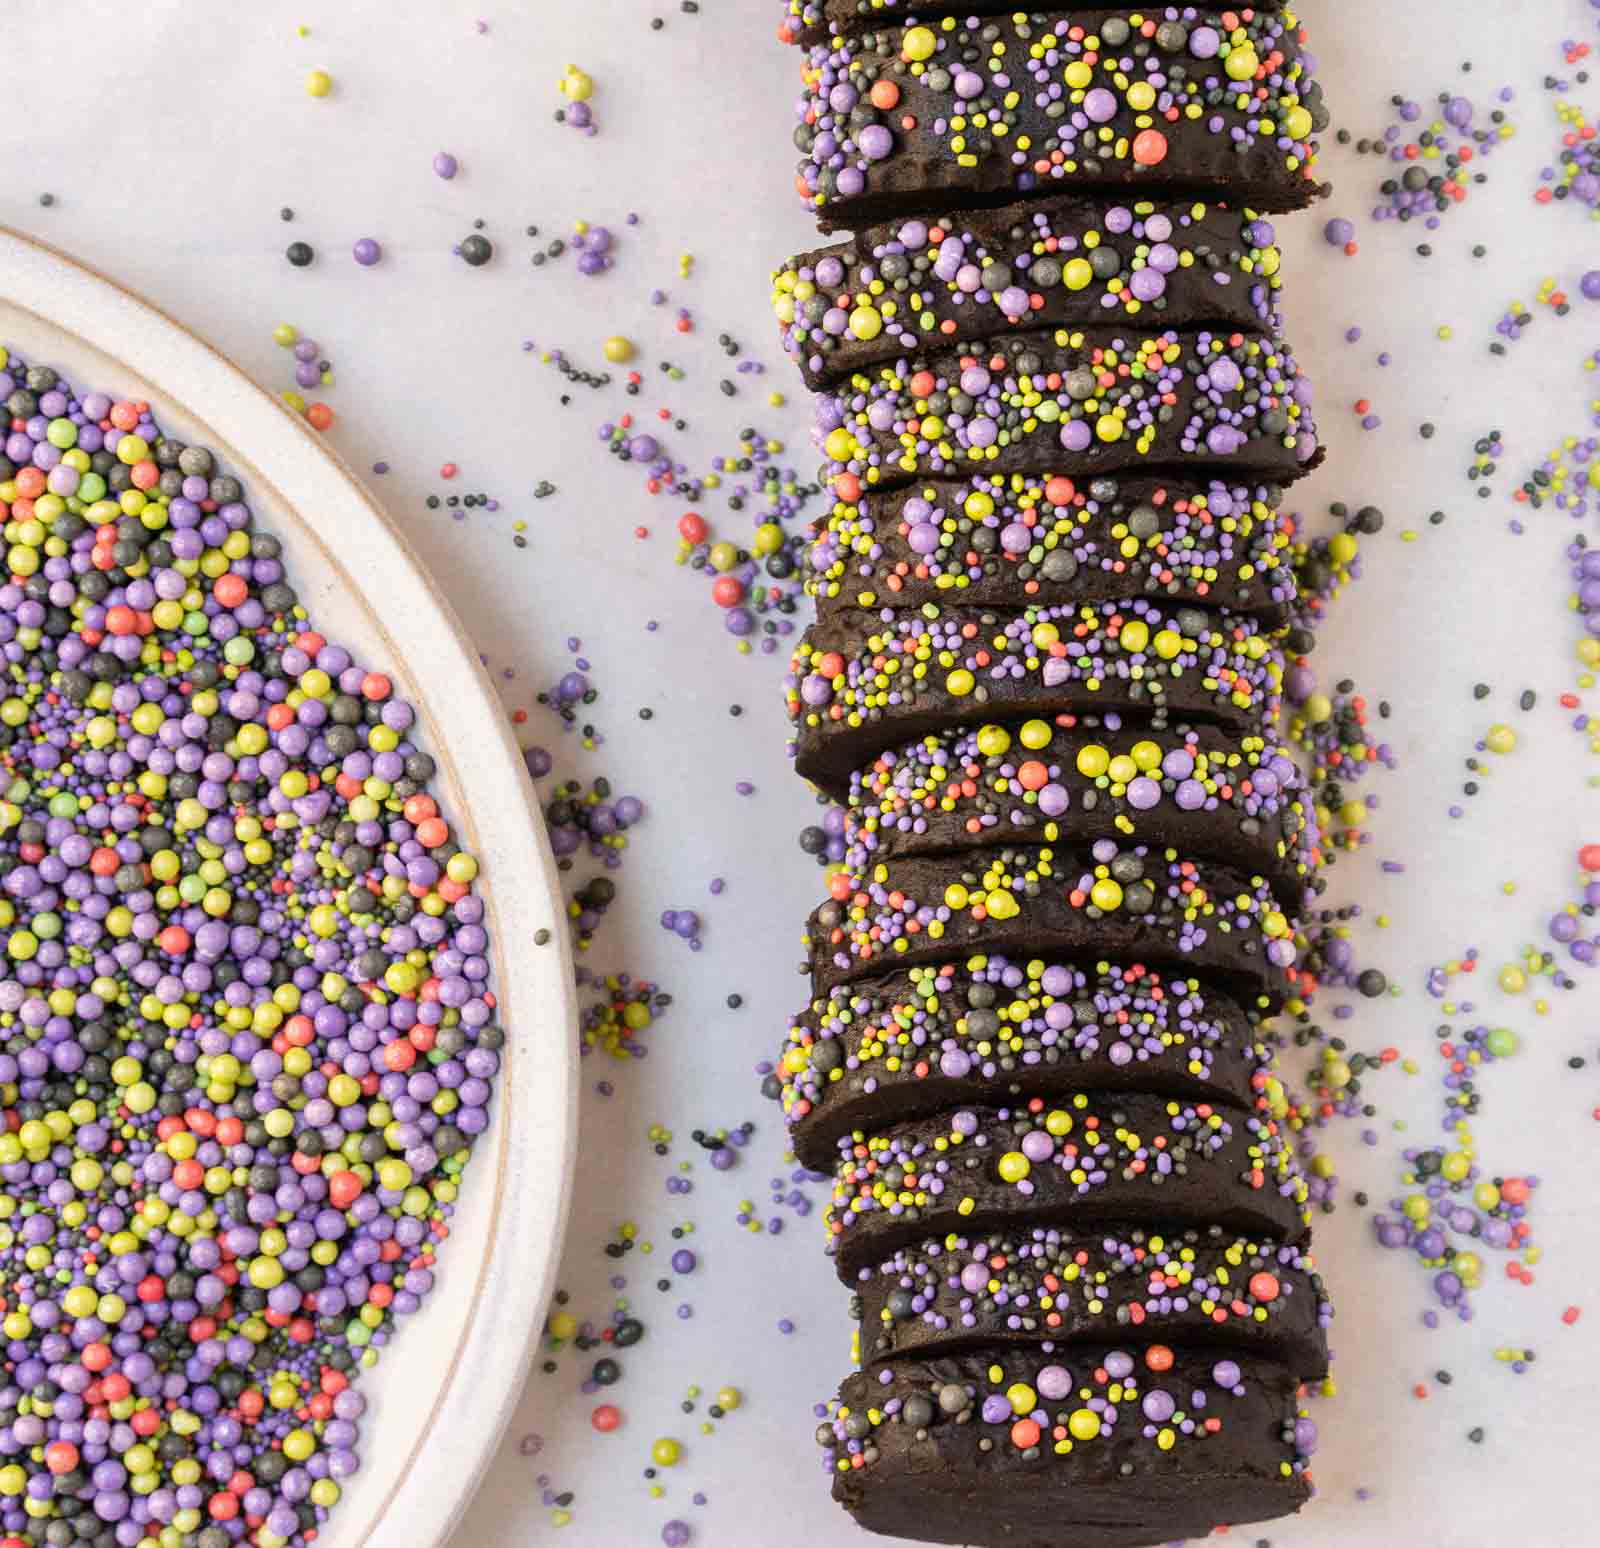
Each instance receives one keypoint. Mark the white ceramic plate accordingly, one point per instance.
(449, 1381)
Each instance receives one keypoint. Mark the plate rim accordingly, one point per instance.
(523, 1245)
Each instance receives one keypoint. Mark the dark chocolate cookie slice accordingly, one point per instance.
(1100, 1448)
(1064, 262)
(1052, 1288)
(1003, 540)
(859, 683)
(1080, 1160)
(810, 21)
(1202, 790)
(907, 119)
(1078, 401)
(1103, 902)
(991, 1029)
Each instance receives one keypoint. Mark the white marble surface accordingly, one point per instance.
(171, 135)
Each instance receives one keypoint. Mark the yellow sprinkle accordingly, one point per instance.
(576, 85)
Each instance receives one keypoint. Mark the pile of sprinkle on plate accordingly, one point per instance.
(247, 1039)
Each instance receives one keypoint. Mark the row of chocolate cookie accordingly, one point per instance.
(1044, 686)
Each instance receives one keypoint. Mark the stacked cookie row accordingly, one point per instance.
(1044, 685)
